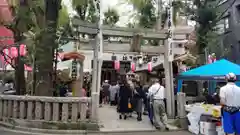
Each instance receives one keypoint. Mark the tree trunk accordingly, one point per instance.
(20, 84)
(45, 68)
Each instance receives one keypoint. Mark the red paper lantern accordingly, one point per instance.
(23, 50)
(27, 68)
(149, 66)
(14, 52)
(116, 65)
(133, 67)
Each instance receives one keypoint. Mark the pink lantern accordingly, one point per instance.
(14, 52)
(6, 53)
(149, 66)
(23, 50)
(133, 68)
(116, 65)
(27, 68)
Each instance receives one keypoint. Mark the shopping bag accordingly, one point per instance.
(129, 105)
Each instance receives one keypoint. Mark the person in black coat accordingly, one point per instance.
(139, 95)
(125, 95)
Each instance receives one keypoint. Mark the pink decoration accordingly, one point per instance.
(133, 68)
(14, 52)
(149, 66)
(6, 51)
(211, 58)
(61, 56)
(27, 68)
(23, 50)
(116, 65)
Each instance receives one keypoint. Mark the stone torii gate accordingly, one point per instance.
(135, 34)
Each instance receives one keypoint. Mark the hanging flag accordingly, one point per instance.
(116, 65)
(149, 66)
(133, 67)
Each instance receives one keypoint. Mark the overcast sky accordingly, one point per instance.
(124, 10)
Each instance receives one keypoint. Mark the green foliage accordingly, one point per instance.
(207, 16)
(147, 18)
(86, 10)
(177, 7)
(145, 12)
(111, 17)
(63, 19)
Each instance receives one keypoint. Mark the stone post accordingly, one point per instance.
(181, 102)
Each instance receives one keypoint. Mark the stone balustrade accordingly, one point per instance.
(42, 109)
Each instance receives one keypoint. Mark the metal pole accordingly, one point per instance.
(168, 64)
(97, 64)
(206, 55)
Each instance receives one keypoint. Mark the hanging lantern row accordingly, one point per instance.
(133, 66)
(12, 52)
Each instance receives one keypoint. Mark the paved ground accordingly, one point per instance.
(154, 133)
(109, 118)
(150, 133)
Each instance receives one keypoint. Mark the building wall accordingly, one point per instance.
(230, 25)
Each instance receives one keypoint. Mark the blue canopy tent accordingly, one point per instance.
(215, 71)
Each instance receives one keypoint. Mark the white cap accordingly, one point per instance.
(231, 76)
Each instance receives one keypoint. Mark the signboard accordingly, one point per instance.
(74, 69)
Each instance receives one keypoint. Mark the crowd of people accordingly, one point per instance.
(130, 96)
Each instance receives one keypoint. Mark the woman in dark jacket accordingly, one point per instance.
(139, 96)
(125, 95)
